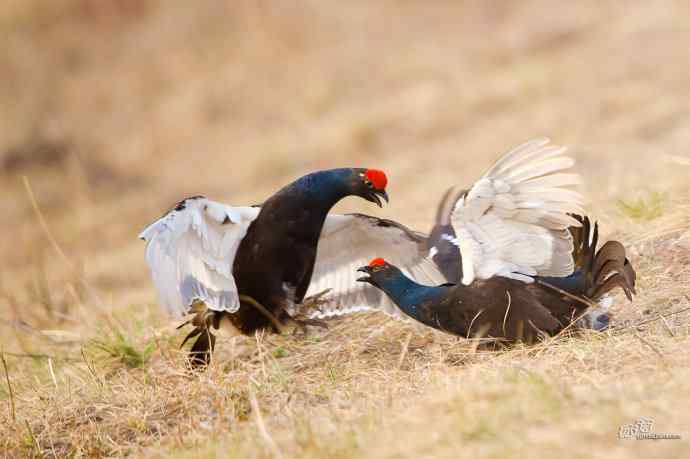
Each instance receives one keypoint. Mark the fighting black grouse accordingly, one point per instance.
(526, 265)
(250, 268)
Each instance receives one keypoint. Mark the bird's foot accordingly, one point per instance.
(317, 298)
(301, 325)
(312, 303)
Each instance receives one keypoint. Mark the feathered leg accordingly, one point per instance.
(309, 305)
(200, 354)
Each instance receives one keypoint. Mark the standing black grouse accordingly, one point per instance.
(251, 267)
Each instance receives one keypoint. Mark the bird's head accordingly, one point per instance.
(370, 184)
(378, 271)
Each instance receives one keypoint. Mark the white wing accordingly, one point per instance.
(191, 250)
(513, 222)
(351, 241)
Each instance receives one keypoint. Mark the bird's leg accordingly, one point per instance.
(312, 303)
(316, 298)
(299, 323)
(303, 323)
(276, 323)
(202, 318)
(198, 308)
(308, 304)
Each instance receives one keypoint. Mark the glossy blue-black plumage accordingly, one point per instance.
(323, 188)
(408, 294)
(574, 283)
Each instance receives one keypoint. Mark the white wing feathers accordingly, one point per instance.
(514, 221)
(190, 251)
(349, 242)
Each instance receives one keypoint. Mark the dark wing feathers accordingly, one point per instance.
(441, 249)
(447, 204)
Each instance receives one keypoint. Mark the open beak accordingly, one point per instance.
(376, 195)
(367, 279)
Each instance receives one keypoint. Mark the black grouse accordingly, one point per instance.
(510, 309)
(250, 268)
(525, 264)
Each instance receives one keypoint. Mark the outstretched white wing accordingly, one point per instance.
(514, 221)
(349, 242)
(191, 250)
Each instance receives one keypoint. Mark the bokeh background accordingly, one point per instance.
(113, 110)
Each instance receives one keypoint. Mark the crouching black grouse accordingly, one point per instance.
(250, 268)
(526, 265)
(511, 309)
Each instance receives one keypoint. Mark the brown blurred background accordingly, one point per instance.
(115, 109)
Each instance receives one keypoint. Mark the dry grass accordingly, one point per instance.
(115, 109)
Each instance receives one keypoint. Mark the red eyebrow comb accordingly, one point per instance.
(377, 262)
(377, 177)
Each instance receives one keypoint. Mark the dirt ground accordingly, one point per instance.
(113, 110)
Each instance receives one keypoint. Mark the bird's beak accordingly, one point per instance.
(367, 279)
(375, 196)
(383, 194)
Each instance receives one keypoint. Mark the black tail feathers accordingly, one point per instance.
(604, 269)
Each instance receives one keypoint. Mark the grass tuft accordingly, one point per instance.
(116, 345)
(280, 352)
(644, 208)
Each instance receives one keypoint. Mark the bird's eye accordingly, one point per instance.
(368, 183)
